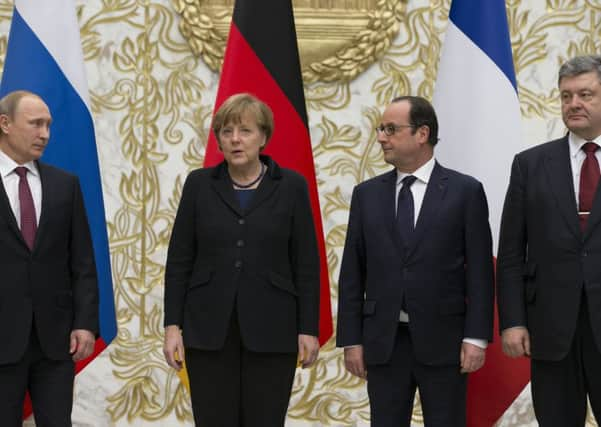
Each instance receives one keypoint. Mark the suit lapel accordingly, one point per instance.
(223, 187)
(267, 186)
(559, 174)
(46, 209)
(8, 214)
(431, 205)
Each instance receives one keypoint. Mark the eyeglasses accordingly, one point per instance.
(391, 129)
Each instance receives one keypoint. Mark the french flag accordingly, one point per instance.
(44, 56)
(477, 104)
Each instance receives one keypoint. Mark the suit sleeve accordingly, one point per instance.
(512, 253)
(304, 258)
(351, 283)
(83, 267)
(180, 256)
(479, 268)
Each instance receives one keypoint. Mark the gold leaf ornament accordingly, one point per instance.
(336, 43)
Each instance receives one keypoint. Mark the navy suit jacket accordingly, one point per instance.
(444, 278)
(545, 262)
(55, 283)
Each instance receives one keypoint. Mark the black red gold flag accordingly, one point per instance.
(262, 58)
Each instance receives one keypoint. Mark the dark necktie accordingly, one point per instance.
(28, 219)
(405, 210)
(589, 178)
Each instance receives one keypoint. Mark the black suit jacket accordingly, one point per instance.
(262, 260)
(55, 283)
(445, 278)
(545, 261)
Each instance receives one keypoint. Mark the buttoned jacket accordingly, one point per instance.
(260, 263)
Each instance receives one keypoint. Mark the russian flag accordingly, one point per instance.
(478, 109)
(44, 56)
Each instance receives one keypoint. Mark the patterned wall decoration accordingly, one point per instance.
(153, 72)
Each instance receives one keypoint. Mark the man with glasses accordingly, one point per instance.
(416, 283)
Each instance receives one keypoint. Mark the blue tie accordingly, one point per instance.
(405, 210)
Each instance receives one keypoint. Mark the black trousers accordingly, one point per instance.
(50, 386)
(560, 388)
(391, 389)
(235, 387)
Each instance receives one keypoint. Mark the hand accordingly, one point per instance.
(173, 348)
(354, 362)
(516, 342)
(472, 357)
(308, 349)
(81, 344)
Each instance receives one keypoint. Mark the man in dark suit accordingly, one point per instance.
(416, 281)
(48, 290)
(549, 259)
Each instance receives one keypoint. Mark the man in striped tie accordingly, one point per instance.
(549, 259)
(48, 290)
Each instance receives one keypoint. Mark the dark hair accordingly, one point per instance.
(421, 113)
(580, 65)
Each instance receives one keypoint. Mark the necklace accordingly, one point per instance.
(250, 184)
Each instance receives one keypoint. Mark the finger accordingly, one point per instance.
(181, 352)
(169, 356)
(301, 351)
(527, 345)
(78, 355)
(86, 350)
(73, 344)
(312, 358)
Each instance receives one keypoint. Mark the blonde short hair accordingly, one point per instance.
(233, 108)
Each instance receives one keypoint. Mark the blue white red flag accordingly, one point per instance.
(44, 56)
(477, 104)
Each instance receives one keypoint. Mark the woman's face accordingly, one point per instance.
(241, 142)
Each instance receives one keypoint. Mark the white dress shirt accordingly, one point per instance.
(10, 180)
(418, 190)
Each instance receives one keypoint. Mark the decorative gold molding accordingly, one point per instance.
(338, 39)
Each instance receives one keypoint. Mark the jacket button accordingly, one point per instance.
(238, 264)
(241, 221)
(240, 243)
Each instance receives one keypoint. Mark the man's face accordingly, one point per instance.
(26, 134)
(581, 104)
(404, 148)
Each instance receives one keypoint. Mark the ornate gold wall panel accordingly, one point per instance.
(152, 73)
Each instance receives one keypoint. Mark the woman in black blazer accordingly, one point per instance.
(242, 277)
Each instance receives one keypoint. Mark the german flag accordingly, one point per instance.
(261, 58)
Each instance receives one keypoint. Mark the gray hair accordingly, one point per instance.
(580, 65)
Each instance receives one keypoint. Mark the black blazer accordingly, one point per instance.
(262, 260)
(55, 283)
(444, 279)
(545, 262)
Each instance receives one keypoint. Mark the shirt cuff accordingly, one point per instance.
(477, 342)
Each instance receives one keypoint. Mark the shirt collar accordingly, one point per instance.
(422, 173)
(576, 143)
(8, 165)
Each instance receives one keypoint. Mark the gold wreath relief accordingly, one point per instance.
(338, 39)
